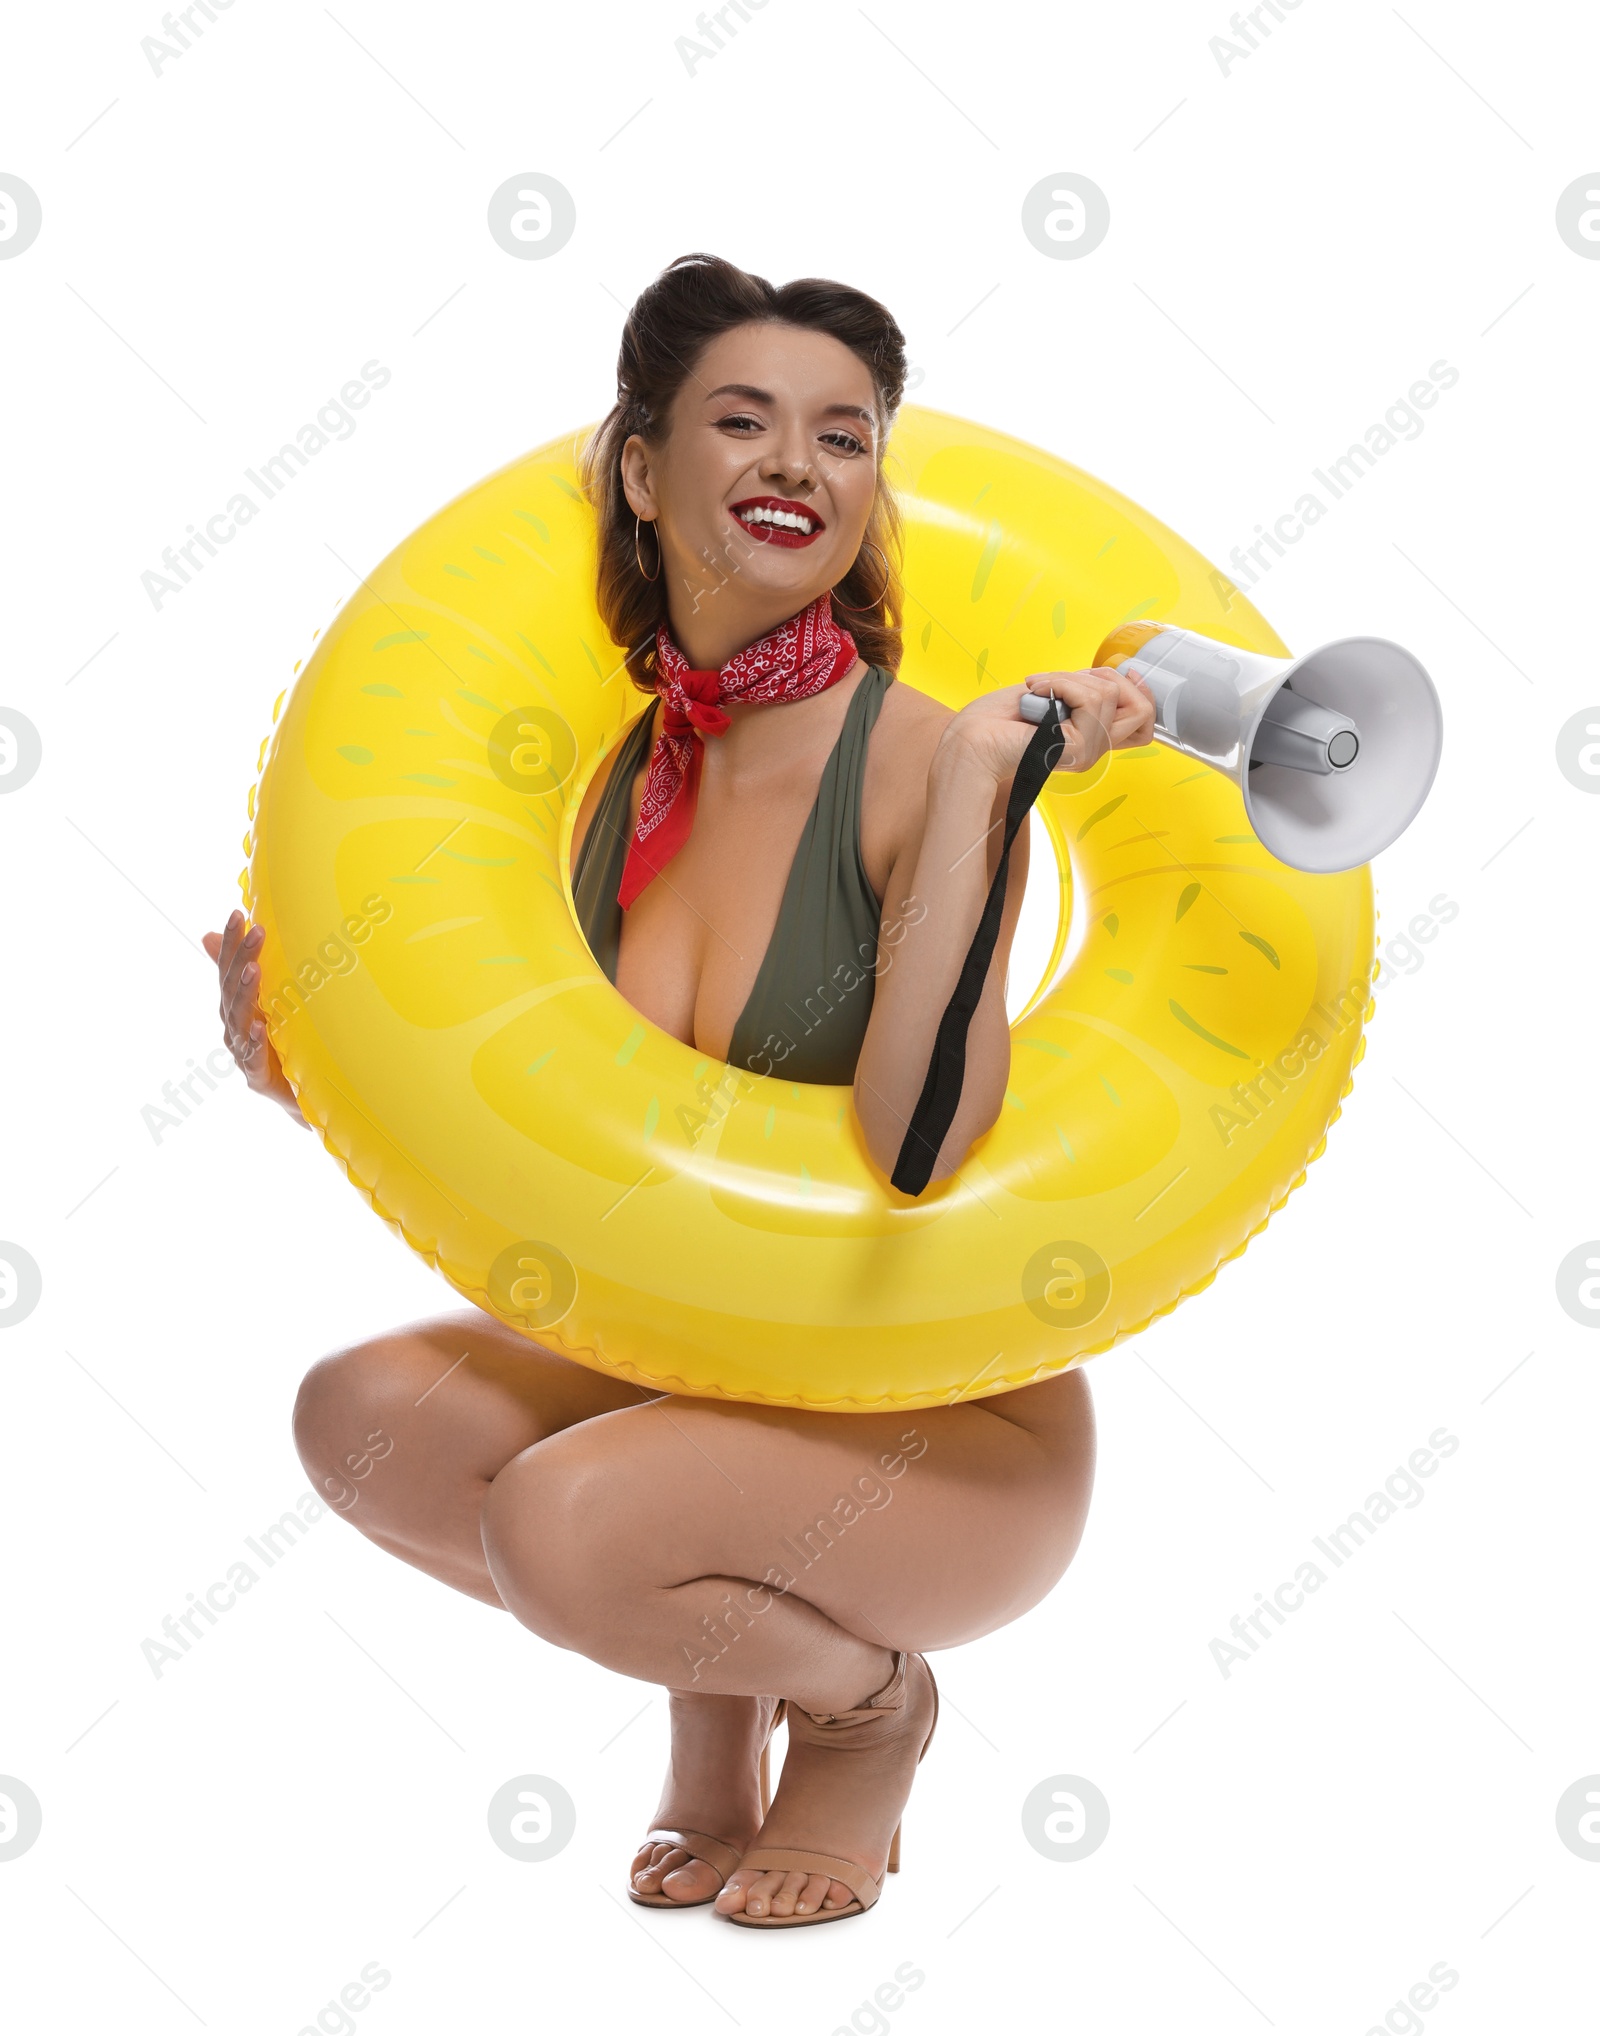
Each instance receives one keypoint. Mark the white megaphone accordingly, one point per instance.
(1334, 752)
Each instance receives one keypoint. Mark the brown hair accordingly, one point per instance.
(693, 301)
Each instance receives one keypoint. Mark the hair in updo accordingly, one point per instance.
(693, 301)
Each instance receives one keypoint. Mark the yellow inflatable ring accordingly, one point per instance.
(652, 1213)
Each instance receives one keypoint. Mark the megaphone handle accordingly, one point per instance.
(941, 1090)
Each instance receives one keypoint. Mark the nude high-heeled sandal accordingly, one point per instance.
(717, 1853)
(783, 1859)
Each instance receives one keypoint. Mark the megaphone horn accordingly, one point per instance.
(1333, 752)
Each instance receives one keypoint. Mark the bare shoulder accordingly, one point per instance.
(894, 789)
(917, 718)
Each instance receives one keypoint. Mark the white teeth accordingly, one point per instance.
(783, 519)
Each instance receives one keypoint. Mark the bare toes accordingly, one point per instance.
(759, 1900)
(788, 1891)
(731, 1900)
(652, 1862)
(696, 1882)
(752, 1892)
(811, 1895)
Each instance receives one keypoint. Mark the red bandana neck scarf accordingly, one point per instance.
(800, 657)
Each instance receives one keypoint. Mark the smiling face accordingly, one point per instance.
(761, 488)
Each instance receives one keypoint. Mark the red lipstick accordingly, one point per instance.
(772, 520)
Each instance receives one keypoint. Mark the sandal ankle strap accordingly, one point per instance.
(888, 1700)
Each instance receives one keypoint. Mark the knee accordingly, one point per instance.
(544, 1542)
(348, 1410)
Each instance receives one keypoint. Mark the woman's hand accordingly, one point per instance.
(244, 1030)
(1111, 709)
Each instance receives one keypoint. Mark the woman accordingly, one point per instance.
(782, 803)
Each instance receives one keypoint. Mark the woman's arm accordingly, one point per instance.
(931, 908)
(935, 897)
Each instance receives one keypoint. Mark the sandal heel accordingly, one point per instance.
(778, 1717)
(894, 1842)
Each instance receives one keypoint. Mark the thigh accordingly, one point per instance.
(403, 1433)
(915, 1530)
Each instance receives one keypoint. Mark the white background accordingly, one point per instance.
(224, 245)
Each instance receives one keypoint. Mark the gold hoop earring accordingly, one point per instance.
(639, 562)
(867, 545)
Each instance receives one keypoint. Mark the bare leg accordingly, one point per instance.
(451, 1402)
(747, 1550)
(403, 1435)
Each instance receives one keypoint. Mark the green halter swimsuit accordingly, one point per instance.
(807, 1013)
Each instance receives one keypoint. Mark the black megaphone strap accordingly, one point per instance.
(941, 1091)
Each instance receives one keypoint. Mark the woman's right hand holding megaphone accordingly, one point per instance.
(1111, 709)
(1108, 709)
